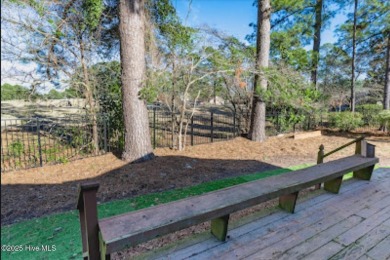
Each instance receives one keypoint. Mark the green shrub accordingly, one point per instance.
(286, 120)
(345, 121)
(16, 148)
(370, 113)
(384, 118)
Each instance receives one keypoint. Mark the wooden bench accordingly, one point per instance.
(102, 237)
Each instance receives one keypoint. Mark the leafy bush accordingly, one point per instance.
(287, 119)
(384, 118)
(16, 148)
(345, 121)
(370, 113)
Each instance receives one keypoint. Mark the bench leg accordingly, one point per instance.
(103, 249)
(333, 185)
(219, 227)
(364, 174)
(83, 233)
(288, 202)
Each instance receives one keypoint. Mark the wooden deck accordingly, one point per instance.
(355, 224)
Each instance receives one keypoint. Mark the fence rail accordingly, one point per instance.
(38, 141)
(34, 142)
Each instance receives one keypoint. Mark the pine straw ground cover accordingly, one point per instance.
(43, 191)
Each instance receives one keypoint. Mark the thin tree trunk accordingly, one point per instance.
(257, 127)
(90, 100)
(173, 102)
(317, 41)
(353, 101)
(138, 146)
(386, 95)
(181, 122)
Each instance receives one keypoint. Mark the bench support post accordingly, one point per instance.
(364, 174)
(366, 150)
(288, 202)
(103, 249)
(219, 227)
(87, 206)
(333, 185)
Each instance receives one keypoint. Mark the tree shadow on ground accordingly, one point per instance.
(26, 201)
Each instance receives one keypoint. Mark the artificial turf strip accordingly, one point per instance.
(63, 230)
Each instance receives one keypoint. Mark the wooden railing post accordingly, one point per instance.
(320, 154)
(359, 146)
(320, 159)
(87, 206)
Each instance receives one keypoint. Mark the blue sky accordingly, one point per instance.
(233, 16)
(229, 16)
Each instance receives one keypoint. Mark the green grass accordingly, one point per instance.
(63, 230)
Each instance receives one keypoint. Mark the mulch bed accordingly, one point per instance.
(41, 191)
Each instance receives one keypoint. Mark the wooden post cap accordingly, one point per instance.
(85, 187)
(89, 186)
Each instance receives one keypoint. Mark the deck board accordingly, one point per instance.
(132, 228)
(351, 225)
(381, 250)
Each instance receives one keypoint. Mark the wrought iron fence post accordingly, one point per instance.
(154, 128)
(239, 125)
(234, 124)
(105, 133)
(212, 126)
(108, 134)
(192, 130)
(39, 142)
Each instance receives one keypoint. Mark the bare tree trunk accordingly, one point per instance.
(317, 41)
(386, 95)
(353, 58)
(257, 127)
(138, 146)
(90, 100)
(386, 92)
(173, 102)
(181, 122)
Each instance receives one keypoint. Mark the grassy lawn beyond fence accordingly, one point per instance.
(61, 232)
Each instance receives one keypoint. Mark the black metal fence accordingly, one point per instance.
(34, 142)
(200, 128)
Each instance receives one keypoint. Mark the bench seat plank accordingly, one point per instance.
(136, 227)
